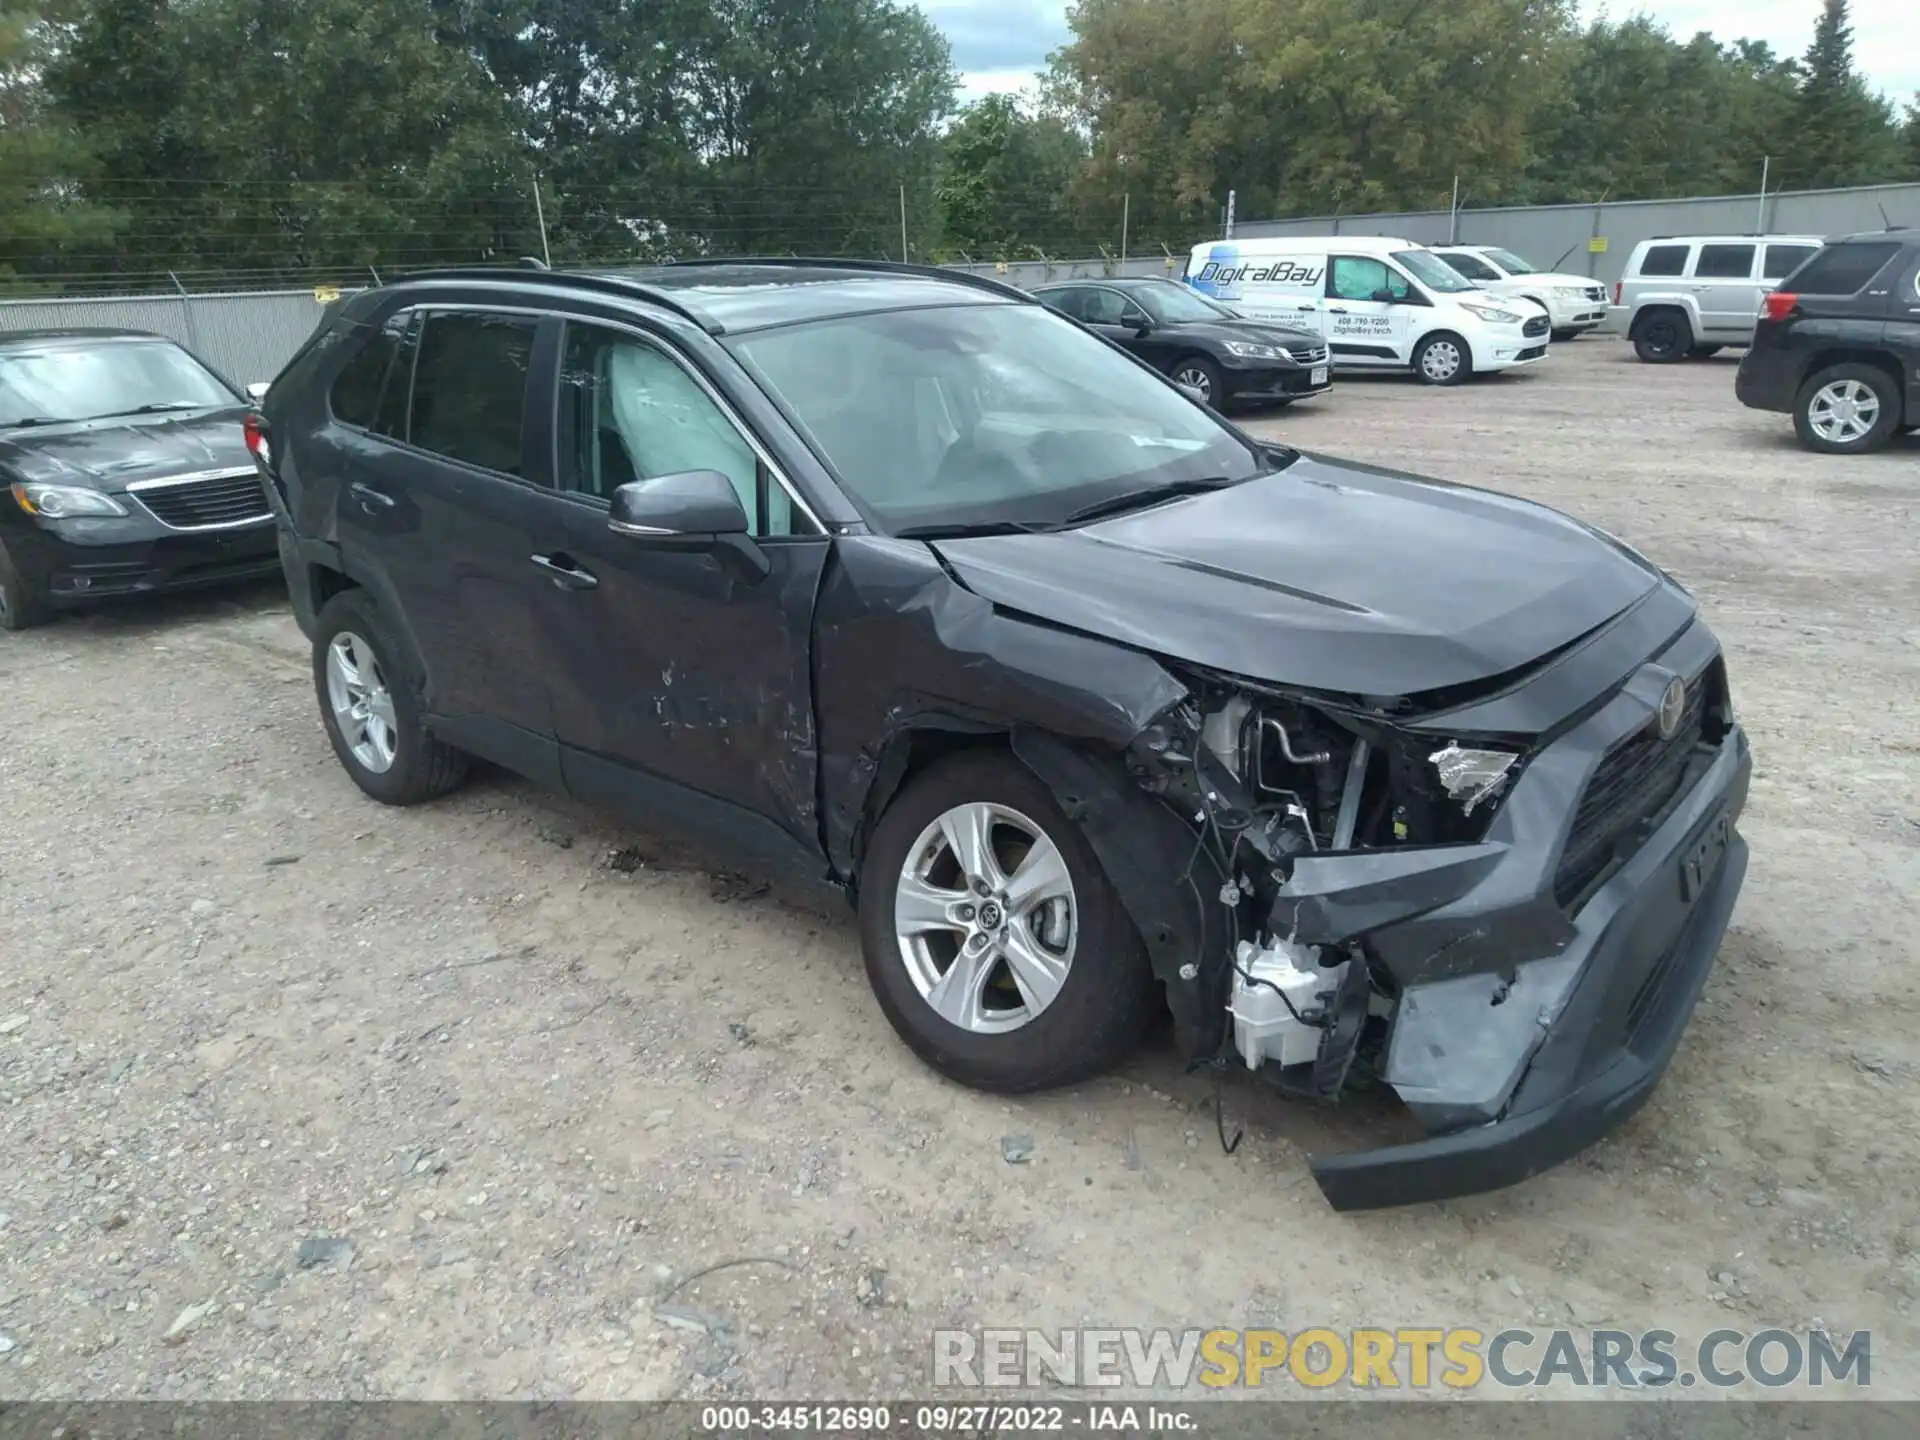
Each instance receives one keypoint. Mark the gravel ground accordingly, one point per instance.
(300, 1097)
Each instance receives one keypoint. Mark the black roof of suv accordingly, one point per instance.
(1837, 345)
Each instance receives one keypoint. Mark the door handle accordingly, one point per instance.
(565, 573)
(371, 499)
(1303, 307)
(1336, 310)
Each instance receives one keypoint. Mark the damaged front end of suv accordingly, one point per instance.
(1499, 896)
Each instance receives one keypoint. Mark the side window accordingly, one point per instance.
(1072, 303)
(1104, 307)
(1353, 277)
(396, 395)
(470, 388)
(1471, 267)
(629, 411)
(355, 396)
(1665, 260)
(1779, 261)
(1724, 262)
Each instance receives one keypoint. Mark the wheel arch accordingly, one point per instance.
(1854, 355)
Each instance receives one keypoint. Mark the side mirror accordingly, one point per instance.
(1138, 322)
(258, 390)
(1386, 297)
(690, 503)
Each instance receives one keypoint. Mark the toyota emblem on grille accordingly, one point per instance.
(1673, 705)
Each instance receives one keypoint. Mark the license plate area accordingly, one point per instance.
(1319, 375)
(1700, 860)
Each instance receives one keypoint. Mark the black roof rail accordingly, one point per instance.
(572, 279)
(877, 267)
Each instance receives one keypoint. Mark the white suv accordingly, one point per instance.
(1574, 303)
(1688, 295)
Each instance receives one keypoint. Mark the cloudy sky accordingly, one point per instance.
(999, 44)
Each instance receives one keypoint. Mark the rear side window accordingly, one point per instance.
(397, 393)
(355, 396)
(1844, 269)
(1067, 302)
(470, 388)
(1780, 261)
(1724, 262)
(1665, 260)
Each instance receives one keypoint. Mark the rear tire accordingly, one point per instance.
(1662, 337)
(1847, 410)
(1443, 358)
(988, 1034)
(371, 707)
(20, 607)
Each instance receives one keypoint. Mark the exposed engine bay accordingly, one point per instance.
(1266, 779)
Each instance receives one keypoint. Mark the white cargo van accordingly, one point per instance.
(1382, 304)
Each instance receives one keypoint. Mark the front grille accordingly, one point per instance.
(1308, 354)
(1537, 326)
(1532, 352)
(1596, 294)
(206, 502)
(1633, 783)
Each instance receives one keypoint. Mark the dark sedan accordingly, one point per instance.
(123, 470)
(1199, 342)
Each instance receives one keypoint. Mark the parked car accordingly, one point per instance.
(122, 471)
(1837, 346)
(891, 582)
(1202, 344)
(1380, 304)
(1690, 296)
(1574, 304)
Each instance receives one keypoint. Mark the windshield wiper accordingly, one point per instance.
(1146, 495)
(157, 407)
(26, 421)
(961, 532)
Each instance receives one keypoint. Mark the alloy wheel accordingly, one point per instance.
(986, 918)
(1194, 378)
(362, 704)
(1843, 412)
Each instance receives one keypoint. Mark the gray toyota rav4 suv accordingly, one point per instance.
(896, 584)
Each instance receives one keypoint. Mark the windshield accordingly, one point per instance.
(1177, 305)
(1509, 262)
(985, 414)
(1431, 271)
(83, 382)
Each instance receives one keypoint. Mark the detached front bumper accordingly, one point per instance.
(1533, 1017)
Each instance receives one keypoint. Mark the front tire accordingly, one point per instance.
(21, 608)
(1443, 358)
(993, 940)
(1662, 337)
(1199, 373)
(1847, 410)
(371, 707)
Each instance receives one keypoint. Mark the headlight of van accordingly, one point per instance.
(1488, 313)
(1247, 350)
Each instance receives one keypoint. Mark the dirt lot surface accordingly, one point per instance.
(300, 1097)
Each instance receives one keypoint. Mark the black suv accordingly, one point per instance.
(1838, 345)
(1202, 344)
(122, 471)
(894, 583)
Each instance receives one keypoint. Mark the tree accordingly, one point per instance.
(46, 222)
(1844, 134)
(1911, 135)
(1005, 181)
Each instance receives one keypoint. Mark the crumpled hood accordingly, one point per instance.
(1327, 575)
(111, 454)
